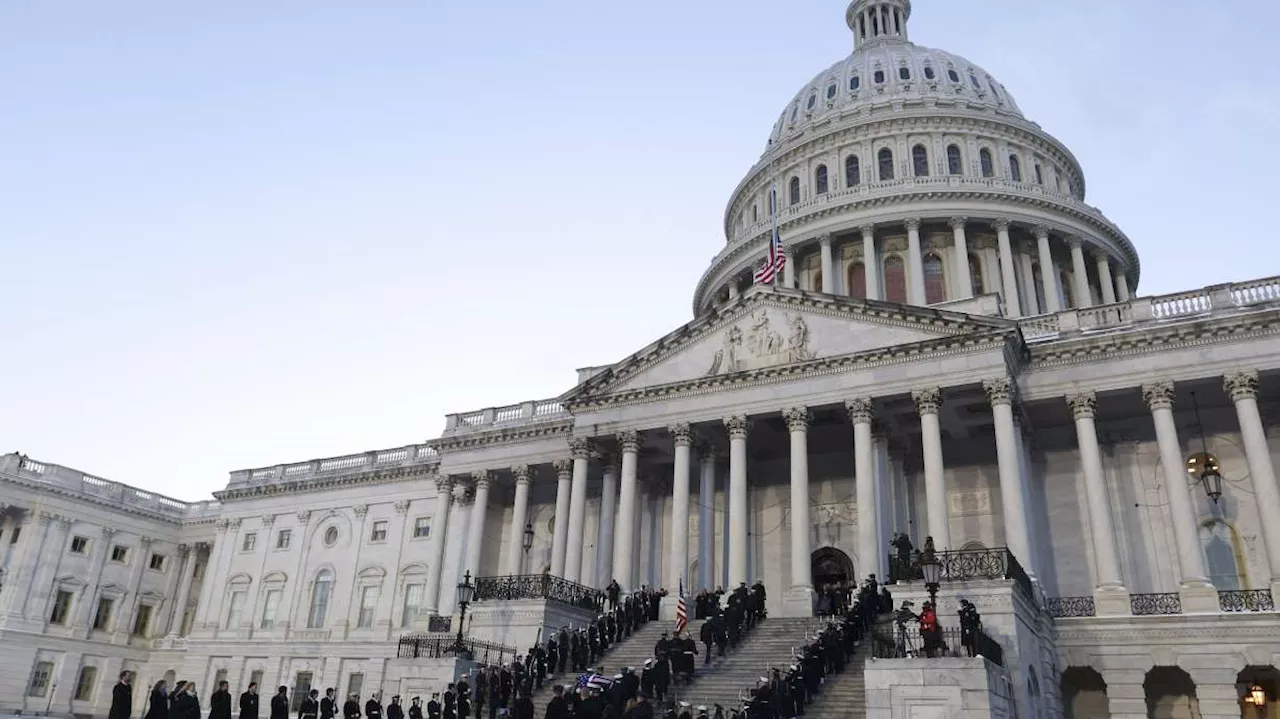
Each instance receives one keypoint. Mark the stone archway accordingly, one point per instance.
(1267, 677)
(829, 565)
(1170, 694)
(1084, 694)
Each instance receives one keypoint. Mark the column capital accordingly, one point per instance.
(824, 239)
(738, 426)
(1083, 405)
(361, 510)
(958, 223)
(564, 469)
(483, 478)
(1241, 385)
(1002, 224)
(1074, 242)
(681, 434)
(579, 448)
(268, 520)
(797, 418)
(1101, 258)
(868, 230)
(705, 448)
(1041, 232)
(928, 400)
(44, 518)
(1001, 390)
(912, 223)
(184, 550)
(401, 506)
(1158, 395)
(879, 430)
(444, 483)
(861, 410)
(522, 473)
(629, 441)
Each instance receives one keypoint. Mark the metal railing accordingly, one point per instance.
(1071, 607)
(1152, 604)
(539, 586)
(1246, 600)
(439, 646)
(887, 644)
(965, 565)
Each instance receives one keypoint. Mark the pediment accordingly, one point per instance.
(769, 328)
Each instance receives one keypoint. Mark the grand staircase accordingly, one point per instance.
(770, 644)
(844, 695)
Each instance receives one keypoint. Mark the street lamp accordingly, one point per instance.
(466, 590)
(1257, 696)
(931, 568)
(528, 538)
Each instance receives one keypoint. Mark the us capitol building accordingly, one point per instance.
(958, 348)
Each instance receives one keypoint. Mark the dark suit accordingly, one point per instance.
(121, 702)
(557, 708)
(248, 706)
(279, 707)
(220, 705)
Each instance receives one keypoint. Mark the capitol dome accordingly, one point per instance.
(907, 174)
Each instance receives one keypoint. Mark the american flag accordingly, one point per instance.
(777, 258)
(594, 681)
(682, 614)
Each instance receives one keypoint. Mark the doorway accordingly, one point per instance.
(831, 566)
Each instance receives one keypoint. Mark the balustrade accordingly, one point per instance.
(1155, 604)
(965, 565)
(1071, 607)
(908, 644)
(1246, 600)
(439, 646)
(538, 586)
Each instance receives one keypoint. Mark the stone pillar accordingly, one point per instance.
(475, 539)
(1242, 388)
(1008, 280)
(625, 538)
(964, 282)
(89, 601)
(519, 518)
(1110, 596)
(915, 264)
(608, 512)
(789, 269)
(26, 566)
(866, 486)
(707, 518)
(799, 598)
(1000, 393)
(1048, 275)
(135, 588)
(678, 565)
(581, 453)
(1105, 282)
(928, 402)
(828, 266)
(1198, 595)
(1122, 286)
(887, 482)
(871, 261)
(733, 288)
(439, 535)
(738, 427)
(560, 532)
(173, 624)
(1080, 275)
(1216, 691)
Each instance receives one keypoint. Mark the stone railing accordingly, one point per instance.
(1143, 605)
(412, 455)
(515, 414)
(1246, 600)
(1061, 607)
(123, 495)
(1203, 302)
(439, 646)
(539, 586)
(965, 565)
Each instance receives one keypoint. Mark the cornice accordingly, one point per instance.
(85, 497)
(502, 436)
(1174, 629)
(317, 484)
(1132, 341)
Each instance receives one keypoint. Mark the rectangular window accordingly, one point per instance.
(40, 676)
(250, 541)
(102, 617)
(412, 604)
(368, 607)
(255, 677)
(270, 605)
(13, 538)
(119, 553)
(79, 545)
(234, 610)
(157, 562)
(187, 618)
(379, 532)
(218, 678)
(61, 607)
(301, 688)
(84, 683)
(319, 604)
(142, 622)
(422, 527)
(355, 683)
(283, 537)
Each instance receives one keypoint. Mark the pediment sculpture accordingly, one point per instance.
(762, 346)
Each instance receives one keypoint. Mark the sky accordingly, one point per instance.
(246, 233)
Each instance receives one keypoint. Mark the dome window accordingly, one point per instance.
(795, 111)
(813, 100)
(988, 168)
(755, 213)
(904, 73)
(820, 182)
(793, 191)
(975, 275)
(855, 82)
(1039, 175)
(955, 76)
(953, 160)
(920, 161)
(991, 84)
(928, 72)
(935, 281)
(973, 79)
(895, 279)
(856, 281)
(852, 171)
(879, 77)
(885, 159)
(1015, 169)
(831, 91)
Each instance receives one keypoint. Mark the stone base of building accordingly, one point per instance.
(1199, 600)
(521, 623)
(1108, 602)
(798, 602)
(959, 688)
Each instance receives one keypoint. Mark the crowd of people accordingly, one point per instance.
(181, 702)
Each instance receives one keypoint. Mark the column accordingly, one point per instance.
(1199, 593)
(608, 512)
(1122, 286)
(1000, 394)
(188, 554)
(1080, 274)
(678, 565)
(866, 486)
(1048, 275)
(560, 535)
(871, 260)
(1029, 303)
(889, 484)
(1242, 388)
(799, 597)
(475, 540)
(519, 518)
(1105, 282)
(625, 538)
(581, 454)
(26, 566)
(789, 269)
(828, 266)
(1110, 596)
(220, 555)
(738, 427)
(928, 402)
(89, 602)
(915, 264)
(706, 518)
(964, 281)
(733, 288)
(135, 586)
(439, 534)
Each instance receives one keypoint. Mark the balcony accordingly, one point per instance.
(546, 410)
(539, 586)
(25, 469)
(413, 455)
(965, 566)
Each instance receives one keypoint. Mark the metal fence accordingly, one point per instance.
(965, 565)
(897, 645)
(539, 586)
(439, 646)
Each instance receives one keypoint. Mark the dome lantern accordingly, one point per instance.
(878, 21)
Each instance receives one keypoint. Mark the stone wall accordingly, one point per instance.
(937, 689)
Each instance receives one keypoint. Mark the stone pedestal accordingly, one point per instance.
(422, 677)
(797, 602)
(1199, 600)
(942, 688)
(1111, 602)
(519, 623)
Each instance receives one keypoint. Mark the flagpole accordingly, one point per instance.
(775, 201)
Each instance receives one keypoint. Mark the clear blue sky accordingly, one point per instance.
(242, 233)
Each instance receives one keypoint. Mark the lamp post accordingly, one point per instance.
(1257, 696)
(931, 568)
(1210, 479)
(528, 539)
(466, 590)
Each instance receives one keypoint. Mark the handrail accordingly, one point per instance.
(966, 565)
(538, 586)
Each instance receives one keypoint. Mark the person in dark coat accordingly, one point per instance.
(122, 698)
(248, 702)
(557, 708)
(327, 705)
(450, 703)
(351, 707)
(184, 704)
(394, 709)
(415, 708)
(434, 710)
(220, 702)
(310, 707)
(373, 707)
(158, 704)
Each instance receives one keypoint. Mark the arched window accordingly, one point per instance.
(878, 76)
(1037, 281)
(895, 279)
(320, 599)
(1223, 554)
(935, 282)
(855, 82)
(975, 275)
(813, 100)
(820, 180)
(793, 191)
(920, 161)
(928, 72)
(988, 168)
(1015, 169)
(953, 159)
(886, 163)
(1039, 175)
(953, 75)
(1064, 281)
(852, 172)
(857, 281)
(904, 73)
(831, 90)
(973, 79)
